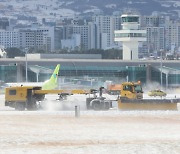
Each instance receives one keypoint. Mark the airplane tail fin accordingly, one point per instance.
(52, 82)
(54, 76)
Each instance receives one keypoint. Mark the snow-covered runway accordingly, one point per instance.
(94, 132)
(110, 131)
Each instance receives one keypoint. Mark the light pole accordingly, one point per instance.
(26, 50)
(161, 69)
(74, 67)
(127, 76)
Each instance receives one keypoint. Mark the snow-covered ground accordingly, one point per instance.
(113, 131)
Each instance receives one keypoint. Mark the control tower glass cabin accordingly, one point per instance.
(130, 35)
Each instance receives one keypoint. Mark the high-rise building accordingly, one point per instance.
(61, 33)
(105, 26)
(162, 33)
(37, 38)
(155, 39)
(98, 34)
(83, 30)
(155, 20)
(92, 39)
(172, 31)
(9, 39)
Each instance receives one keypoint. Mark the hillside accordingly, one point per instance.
(55, 9)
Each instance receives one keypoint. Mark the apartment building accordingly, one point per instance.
(172, 31)
(63, 32)
(106, 25)
(155, 20)
(9, 39)
(83, 30)
(155, 39)
(37, 38)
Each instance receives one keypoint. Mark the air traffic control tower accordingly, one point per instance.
(130, 36)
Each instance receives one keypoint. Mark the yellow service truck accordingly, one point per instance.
(22, 97)
(26, 97)
(132, 99)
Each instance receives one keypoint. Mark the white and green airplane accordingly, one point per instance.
(50, 84)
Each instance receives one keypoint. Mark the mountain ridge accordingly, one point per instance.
(143, 6)
(55, 9)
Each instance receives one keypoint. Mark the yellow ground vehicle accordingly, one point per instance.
(26, 97)
(29, 97)
(157, 93)
(132, 99)
(131, 90)
(114, 89)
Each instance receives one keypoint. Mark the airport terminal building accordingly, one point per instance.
(166, 72)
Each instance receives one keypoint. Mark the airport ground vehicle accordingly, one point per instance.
(132, 99)
(29, 97)
(98, 103)
(114, 89)
(157, 93)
